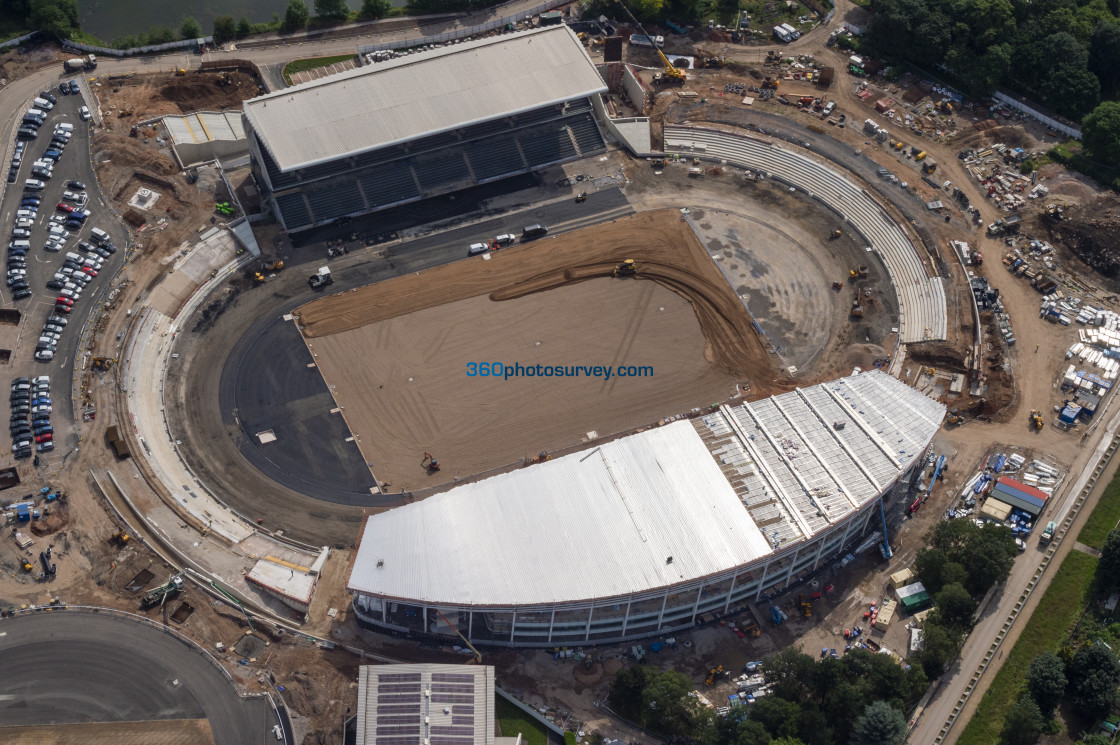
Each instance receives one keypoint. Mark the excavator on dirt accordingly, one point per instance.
(671, 73)
(259, 278)
(224, 79)
(626, 269)
(224, 208)
(429, 463)
(835, 234)
(1035, 419)
(274, 266)
(102, 364)
(859, 272)
(120, 538)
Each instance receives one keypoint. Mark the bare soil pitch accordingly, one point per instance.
(395, 353)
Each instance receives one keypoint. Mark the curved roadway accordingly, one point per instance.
(66, 667)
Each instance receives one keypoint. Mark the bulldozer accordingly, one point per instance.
(120, 538)
(859, 272)
(626, 269)
(805, 606)
(713, 673)
(180, 71)
(1035, 419)
(102, 364)
(274, 266)
(835, 234)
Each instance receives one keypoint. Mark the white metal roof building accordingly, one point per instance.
(425, 704)
(424, 124)
(206, 135)
(651, 532)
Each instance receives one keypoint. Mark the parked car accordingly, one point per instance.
(74, 89)
(84, 114)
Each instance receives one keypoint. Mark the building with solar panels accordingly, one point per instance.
(424, 125)
(655, 532)
(427, 704)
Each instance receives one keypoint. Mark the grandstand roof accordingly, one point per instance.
(204, 126)
(422, 94)
(603, 522)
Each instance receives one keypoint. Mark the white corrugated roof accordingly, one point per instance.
(205, 126)
(597, 523)
(602, 522)
(436, 91)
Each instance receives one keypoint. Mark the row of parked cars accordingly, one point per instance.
(69, 281)
(30, 426)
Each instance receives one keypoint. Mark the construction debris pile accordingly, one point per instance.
(997, 170)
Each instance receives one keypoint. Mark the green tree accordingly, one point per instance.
(955, 606)
(1100, 134)
(296, 16)
(190, 28)
(939, 646)
(159, 35)
(331, 9)
(374, 9)
(1108, 567)
(935, 569)
(668, 707)
(880, 723)
(787, 741)
(788, 672)
(1094, 675)
(1094, 738)
(1046, 682)
(778, 715)
(1023, 724)
(625, 693)
(743, 732)
(224, 29)
(59, 18)
(244, 28)
(1104, 51)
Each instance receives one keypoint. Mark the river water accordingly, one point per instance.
(113, 19)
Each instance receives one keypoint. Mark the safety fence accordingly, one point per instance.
(18, 40)
(1031, 110)
(170, 46)
(459, 33)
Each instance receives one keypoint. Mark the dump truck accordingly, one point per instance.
(321, 278)
(1048, 533)
(80, 63)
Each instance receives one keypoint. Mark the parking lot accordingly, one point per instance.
(41, 335)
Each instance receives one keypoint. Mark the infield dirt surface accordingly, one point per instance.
(396, 353)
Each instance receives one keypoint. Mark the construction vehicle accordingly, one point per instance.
(321, 278)
(857, 309)
(120, 538)
(159, 595)
(477, 658)
(835, 234)
(771, 83)
(126, 112)
(713, 673)
(102, 364)
(1048, 533)
(429, 463)
(1035, 419)
(274, 266)
(258, 278)
(224, 208)
(180, 71)
(224, 79)
(838, 286)
(626, 269)
(87, 62)
(1054, 212)
(859, 272)
(954, 417)
(670, 74)
(581, 197)
(25, 565)
(805, 606)
(584, 38)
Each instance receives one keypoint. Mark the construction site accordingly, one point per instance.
(794, 220)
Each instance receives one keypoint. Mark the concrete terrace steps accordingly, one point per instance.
(921, 299)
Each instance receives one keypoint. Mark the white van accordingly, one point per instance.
(477, 248)
(64, 126)
(99, 235)
(36, 112)
(75, 257)
(25, 245)
(42, 103)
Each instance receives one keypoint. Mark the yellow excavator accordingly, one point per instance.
(670, 74)
(626, 269)
(1035, 419)
(102, 364)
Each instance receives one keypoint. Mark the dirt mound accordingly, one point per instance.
(938, 354)
(1092, 232)
(201, 92)
(125, 155)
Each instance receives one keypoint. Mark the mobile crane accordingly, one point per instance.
(671, 74)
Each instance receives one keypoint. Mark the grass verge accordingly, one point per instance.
(311, 63)
(1045, 631)
(1104, 518)
(512, 720)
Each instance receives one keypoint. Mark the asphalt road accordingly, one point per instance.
(266, 383)
(65, 667)
(75, 164)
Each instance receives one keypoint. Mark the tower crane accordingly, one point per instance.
(672, 74)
